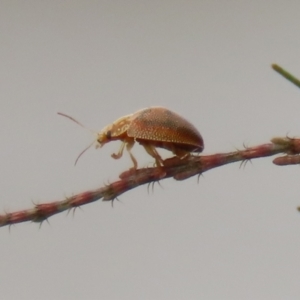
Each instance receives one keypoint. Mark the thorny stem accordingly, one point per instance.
(179, 169)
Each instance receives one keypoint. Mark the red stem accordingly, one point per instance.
(179, 169)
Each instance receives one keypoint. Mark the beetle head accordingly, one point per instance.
(104, 136)
(115, 131)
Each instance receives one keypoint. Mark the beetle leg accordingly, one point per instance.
(129, 146)
(152, 151)
(180, 153)
(120, 153)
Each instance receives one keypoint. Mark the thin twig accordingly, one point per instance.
(179, 169)
(286, 75)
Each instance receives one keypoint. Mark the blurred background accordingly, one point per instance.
(235, 235)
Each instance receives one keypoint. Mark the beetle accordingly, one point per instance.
(152, 127)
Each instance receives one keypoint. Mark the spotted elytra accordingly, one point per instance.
(153, 127)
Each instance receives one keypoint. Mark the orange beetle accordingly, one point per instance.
(153, 127)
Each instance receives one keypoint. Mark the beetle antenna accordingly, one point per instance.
(77, 122)
(88, 147)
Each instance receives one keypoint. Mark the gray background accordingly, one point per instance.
(235, 235)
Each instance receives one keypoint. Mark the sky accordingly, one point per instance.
(233, 235)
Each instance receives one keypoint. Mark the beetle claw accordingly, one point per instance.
(116, 156)
(120, 153)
